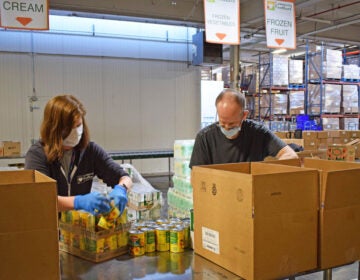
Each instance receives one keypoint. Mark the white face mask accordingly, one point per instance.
(74, 137)
(231, 132)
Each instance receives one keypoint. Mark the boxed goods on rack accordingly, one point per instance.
(332, 98)
(350, 99)
(296, 71)
(277, 66)
(10, 149)
(351, 72)
(330, 61)
(94, 238)
(296, 102)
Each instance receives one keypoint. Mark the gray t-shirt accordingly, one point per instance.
(254, 143)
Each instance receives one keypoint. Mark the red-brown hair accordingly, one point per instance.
(60, 114)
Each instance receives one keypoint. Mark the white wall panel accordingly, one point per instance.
(131, 104)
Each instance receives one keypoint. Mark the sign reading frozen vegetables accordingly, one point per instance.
(24, 14)
(280, 24)
(222, 21)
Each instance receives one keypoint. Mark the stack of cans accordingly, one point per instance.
(161, 235)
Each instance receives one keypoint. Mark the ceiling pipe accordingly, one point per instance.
(317, 20)
(352, 53)
(330, 28)
(332, 9)
(332, 40)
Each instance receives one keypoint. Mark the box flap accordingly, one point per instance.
(12, 177)
(243, 167)
(340, 189)
(291, 162)
(218, 193)
(329, 165)
(295, 189)
(28, 205)
(353, 142)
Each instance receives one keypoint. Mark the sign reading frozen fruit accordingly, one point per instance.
(24, 14)
(222, 21)
(280, 23)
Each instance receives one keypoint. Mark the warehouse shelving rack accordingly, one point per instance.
(321, 81)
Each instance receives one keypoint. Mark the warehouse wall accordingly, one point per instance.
(132, 103)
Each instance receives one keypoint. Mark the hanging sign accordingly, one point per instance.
(222, 21)
(24, 14)
(280, 23)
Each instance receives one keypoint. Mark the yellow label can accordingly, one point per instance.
(162, 239)
(177, 240)
(150, 244)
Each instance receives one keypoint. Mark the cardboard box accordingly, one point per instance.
(256, 220)
(344, 152)
(309, 135)
(339, 216)
(339, 212)
(28, 226)
(10, 149)
(299, 142)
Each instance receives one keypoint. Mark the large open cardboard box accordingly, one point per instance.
(28, 226)
(339, 212)
(257, 220)
(339, 216)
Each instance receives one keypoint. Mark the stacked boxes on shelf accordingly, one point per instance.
(314, 98)
(296, 102)
(180, 199)
(94, 238)
(296, 71)
(321, 140)
(351, 72)
(331, 63)
(279, 104)
(278, 66)
(332, 98)
(349, 123)
(350, 99)
(331, 123)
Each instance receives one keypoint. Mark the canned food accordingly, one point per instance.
(110, 243)
(150, 245)
(162, 221)
(162, 239)
(177, 240)
(122, 239)
(136, 243)
(136, 238)
(192, 219)
(186, 226)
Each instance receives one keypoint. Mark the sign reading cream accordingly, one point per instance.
(222, 21)
(24, 14)
(280, 23)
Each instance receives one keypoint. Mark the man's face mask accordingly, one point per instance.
(74, 137)
(231, 132)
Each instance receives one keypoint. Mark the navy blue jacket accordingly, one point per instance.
(90, 162)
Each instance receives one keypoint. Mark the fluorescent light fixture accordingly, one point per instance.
(279, 51)
(317, 20)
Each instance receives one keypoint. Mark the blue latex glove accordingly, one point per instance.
(94, 203)
(119, 195)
